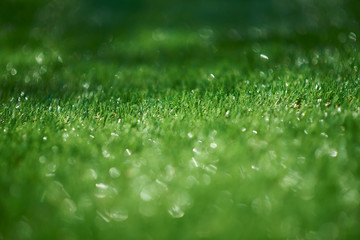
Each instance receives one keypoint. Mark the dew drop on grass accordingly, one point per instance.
(118, 215)
(145, 195)
(128, 152)
(194, 162)
(254, 167)
(211, 77)
(13, 72)
(39, 58)
(68, 207)
(190, 135)
(102, 190)
(114, 173)
(196, 151)
(263, 56)
(333, 153)
(106, 154)
(176, 212)
(86, 86)
(352, 36)
(213, 145)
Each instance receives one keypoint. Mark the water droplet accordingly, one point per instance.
(170, 172)
(263, 56)
(196, 151)
(211, 77)
(86, 85)
(114, 173)
(101, 186)
(102, 216)
(333, 153)
(195, 163)
(352, 36)
(128, 152)
(119, 215)
(68, 207)
(324, 134)
(39, 58)
(190, 135)
(13, 72)
(213, 145)
(254, 167)
(254, 131)
(145, 195)
(106, 154)
(211, 169)
(42, 159)
(176, 212)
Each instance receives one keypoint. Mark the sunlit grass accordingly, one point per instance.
(180, 134)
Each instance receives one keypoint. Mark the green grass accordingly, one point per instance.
(164, 133)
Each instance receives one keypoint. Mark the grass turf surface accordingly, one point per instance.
(181, 134)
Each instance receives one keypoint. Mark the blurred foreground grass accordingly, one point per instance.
(183, 121)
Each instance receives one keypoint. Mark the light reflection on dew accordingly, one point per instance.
(13, 72)
(162, 184)
(68, 207)
(352, 36)
(213, 145)
(91, 174)
(263, 56)
(101, 186)
(333, 153)
(102, 216)
(170, 172)
(195, 163)
(176, 212)
(324, 134)
(114, 173)
(106, 154)
(211, 77)
(119, 215)
(145, 195)
(211, 169)
(39, 58)
(42, 159)
(102, 190)
(190, 135)
(196, 151)
(254, 167)
(128, 152)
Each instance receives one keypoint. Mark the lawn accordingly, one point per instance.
(218, 127)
